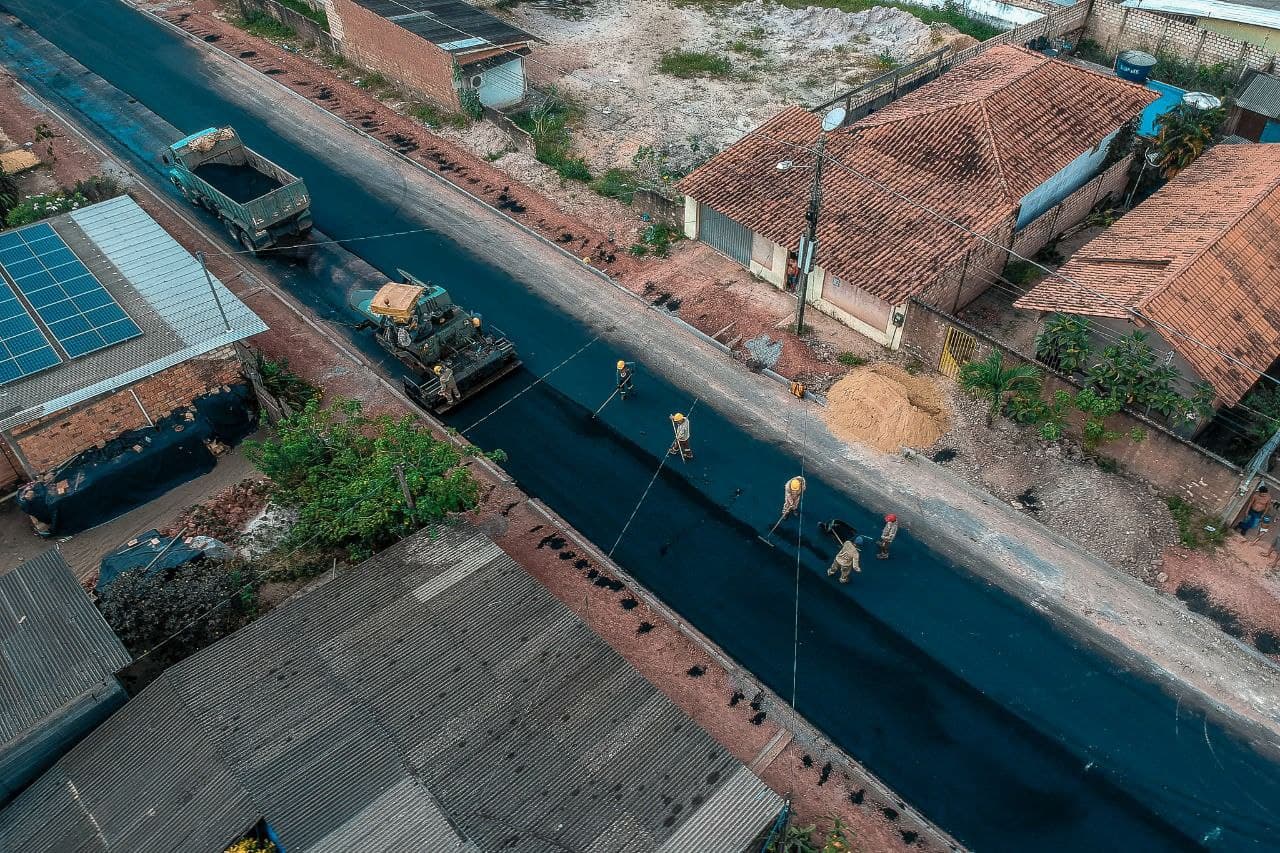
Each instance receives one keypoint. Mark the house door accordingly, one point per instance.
(957, 349)
(720, 232)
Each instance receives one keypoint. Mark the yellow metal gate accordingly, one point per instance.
(957, 349)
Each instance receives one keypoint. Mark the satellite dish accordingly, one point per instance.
(1201, 101)
(783, 165)
(833, 119)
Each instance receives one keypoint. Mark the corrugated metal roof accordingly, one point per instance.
(1261, 94)
(435, 698)
(162, 288)
(451, 25)
(54, 645)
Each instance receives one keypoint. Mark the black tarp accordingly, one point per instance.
(139, 465)
(156, 553)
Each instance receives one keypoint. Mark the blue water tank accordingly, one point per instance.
(1134, 65)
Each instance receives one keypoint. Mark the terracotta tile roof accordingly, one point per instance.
(1201, 256)
(969, 145)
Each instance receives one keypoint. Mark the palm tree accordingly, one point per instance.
(989, 378)
(1184, 134)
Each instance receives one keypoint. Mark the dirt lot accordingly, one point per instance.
(607, 58)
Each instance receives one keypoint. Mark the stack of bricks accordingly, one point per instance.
(53, 439)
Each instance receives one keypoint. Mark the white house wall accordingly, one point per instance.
(502, 85)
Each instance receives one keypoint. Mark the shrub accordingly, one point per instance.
(989, 378)
(616, 183)
(37, 207)
(656, 238)
(98, 188)
(692, 63)
(1022, 273)
(885, 61)
(433, 116)
(1063, 343)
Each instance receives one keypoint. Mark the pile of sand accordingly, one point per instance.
(883, 406)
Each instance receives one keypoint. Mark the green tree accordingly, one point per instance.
(1097, 408)
(1262, 408)
(837, 840)
(336, 468)
(990, 379)
(1063, 343)
(194, 604)
(1183, 134)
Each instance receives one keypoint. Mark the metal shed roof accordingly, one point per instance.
(54, 645)
(160, 286)
(451, 25)
(435, 698)
(1260, 94)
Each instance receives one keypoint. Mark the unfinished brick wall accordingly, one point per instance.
(53, 439)
(1118, 28)
(373, 42)
(1073, 209)
(1171, 464)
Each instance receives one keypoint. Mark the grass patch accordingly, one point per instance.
(693, 63)
(849, 359)
(307, 12)
(616, 183)
(433, 116)
(747, 49)
(1195, 529)
(264, 26)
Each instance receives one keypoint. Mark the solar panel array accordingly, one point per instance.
(76, 309)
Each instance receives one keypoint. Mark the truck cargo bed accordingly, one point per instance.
(240, 183)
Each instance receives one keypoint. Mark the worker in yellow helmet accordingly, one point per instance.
(626, 379)
(680, 425)
(448, 384)
(792, 493)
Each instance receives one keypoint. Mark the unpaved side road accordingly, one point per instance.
(1088, 598)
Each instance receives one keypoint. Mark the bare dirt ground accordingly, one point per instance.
(661, 652)
(607, 59)
(1237, 586)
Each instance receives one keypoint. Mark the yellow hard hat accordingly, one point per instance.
(621, 364)
(438, 369)
(796, 484)
(677, 417)
(475, 321)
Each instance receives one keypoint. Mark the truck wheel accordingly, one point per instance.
(247, 243)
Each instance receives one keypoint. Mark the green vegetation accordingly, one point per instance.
(747, 49)
(37, 207)
(692, 63)
(373, 81)
(98, 188)
(1063, 343)
(1022, 272)
(264, 26)
(433, 116)
(885, 61)
(990, 379)
(1195, 529)
(336, 467)
(8, 194)
(548, 124)
(616, 183)
(283, 383)
(1183, 134)
(1261, 410)
(307, 12)
(799, 839)
(1218, 79)
(849, 359)
(656, 239)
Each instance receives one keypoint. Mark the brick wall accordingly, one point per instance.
(414, 63)
(1117, 28)
(1073, 209)
(55, 438)
(1172, 464)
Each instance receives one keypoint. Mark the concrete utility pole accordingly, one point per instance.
(808, 250)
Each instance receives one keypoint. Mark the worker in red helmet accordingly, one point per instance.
(887, 535)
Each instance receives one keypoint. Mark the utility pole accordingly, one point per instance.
(217, 301)
(808, 250)
(408, 495)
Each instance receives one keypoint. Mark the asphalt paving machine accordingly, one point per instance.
(421, 325)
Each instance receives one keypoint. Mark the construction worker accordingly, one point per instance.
(887, 536)
(448, 384)
(847, 558)
(791, 495)
(626, 379)
(680, 425)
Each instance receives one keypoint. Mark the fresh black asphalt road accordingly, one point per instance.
(1000, 728)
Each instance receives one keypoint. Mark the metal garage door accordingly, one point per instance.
(721, 232)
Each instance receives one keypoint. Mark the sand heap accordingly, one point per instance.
(883, 406)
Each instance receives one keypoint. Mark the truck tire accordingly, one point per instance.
(244, 240)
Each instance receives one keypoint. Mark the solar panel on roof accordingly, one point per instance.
(78, 311)
(23, 347)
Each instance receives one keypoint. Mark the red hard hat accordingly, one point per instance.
(890, 517)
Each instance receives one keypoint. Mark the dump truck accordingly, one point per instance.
(260, 203)
(421, 326)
